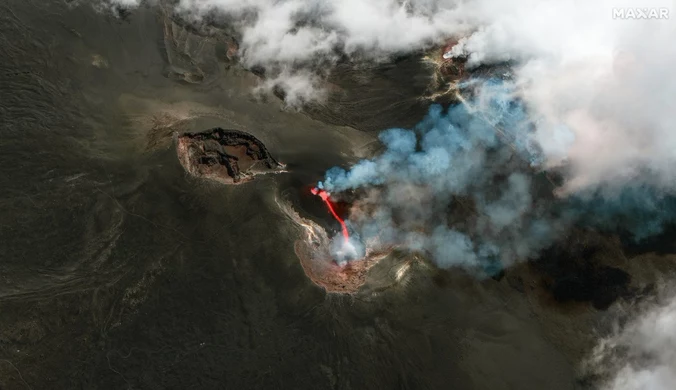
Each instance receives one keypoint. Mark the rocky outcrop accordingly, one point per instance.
(224, 155)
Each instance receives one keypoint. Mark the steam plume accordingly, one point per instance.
(641, 354)
(458, 187)
(600, 87)
(591, 97)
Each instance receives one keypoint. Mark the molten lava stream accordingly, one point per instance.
(325, 197)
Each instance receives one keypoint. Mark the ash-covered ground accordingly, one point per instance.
(119, 270)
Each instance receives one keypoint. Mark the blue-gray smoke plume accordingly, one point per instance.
(466, 187)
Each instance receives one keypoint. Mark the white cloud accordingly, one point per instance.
(299, 87)
(642, 355)
(603, 87)
(127, 3)
(375, 26)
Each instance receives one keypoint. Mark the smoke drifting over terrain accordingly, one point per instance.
(642, 354)
(453, 166)
(591, 99)
(599, 87)
(467, 187)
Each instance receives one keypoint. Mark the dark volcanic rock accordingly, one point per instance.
(574, 272)
(228, 156)
(600, 285)
(376, 96)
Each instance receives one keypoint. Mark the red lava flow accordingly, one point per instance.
(313, 251)
(325, 197)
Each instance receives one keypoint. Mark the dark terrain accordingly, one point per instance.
(119, 271)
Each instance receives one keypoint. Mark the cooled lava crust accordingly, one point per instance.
(224, 155)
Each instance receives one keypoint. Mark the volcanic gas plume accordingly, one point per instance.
(469, 187)
(579, 134)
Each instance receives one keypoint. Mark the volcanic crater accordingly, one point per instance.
(225, 155)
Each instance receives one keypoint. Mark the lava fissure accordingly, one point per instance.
(325, 197)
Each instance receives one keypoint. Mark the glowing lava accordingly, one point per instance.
(325, 197)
